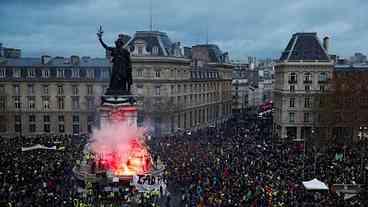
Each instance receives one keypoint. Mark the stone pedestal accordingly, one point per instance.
(118, 108)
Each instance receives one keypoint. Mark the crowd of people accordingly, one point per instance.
(239, 165)
(38, 177)
(236, 164)
(34, 176)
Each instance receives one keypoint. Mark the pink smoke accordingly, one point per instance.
(117, 144)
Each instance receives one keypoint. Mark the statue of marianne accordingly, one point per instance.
(121, 75)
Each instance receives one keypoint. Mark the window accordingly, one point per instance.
(60, 73)
(61, 128)
(155, 50)
(75, 119)
(46, 128)
(32, 118)
(17, 102)
(307, 77)
(103, 89)
(45, 90)
(2, 103)
(172, 89)
(75, 73)
(322, 88)
(306, 116)
(307, 88)
(157, 90)
(30, 90)
(307, 102)
(3, 124)
(17, 118)
(46, 118)
(292, 102)
(140, 50)
(322, 77)
(16, 90)
(75, 102)
(293, 78)
(291, 117)
(31, 73)
(60, 102)
(17, 73)
(31, 102)
(172, 73)
(2, 72)
(158, 73)
(90, 74)
(90, 90)
(18, 127)
(60, 90)
(91, 103)
(46, 102)
(32, 128)
(45, 73)
(75, 89)
(139, 73)
(61, 118)
(105, 73)
(75, 128)
(140, 89)
(179, 88)
(2, 89)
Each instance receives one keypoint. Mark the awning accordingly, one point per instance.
(315, 184)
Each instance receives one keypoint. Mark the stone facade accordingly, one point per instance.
(174, 92)
(300, 76)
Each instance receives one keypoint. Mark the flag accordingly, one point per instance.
(339, 156)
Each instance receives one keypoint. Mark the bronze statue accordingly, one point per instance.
(121, 75)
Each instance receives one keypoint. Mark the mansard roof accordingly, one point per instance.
(304, 47)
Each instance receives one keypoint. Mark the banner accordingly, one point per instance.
(38, 146)
(147, 183)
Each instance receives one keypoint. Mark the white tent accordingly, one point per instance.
(315, 184)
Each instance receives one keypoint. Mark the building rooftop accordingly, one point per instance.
(304, 47)
(153, 39)
(56, 61)
(351, 67)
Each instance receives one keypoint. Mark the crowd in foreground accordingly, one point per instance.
(240, 166)
(40, 177)
(44, 176)
(230, 165)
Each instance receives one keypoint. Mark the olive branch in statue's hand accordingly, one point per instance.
(100, 32)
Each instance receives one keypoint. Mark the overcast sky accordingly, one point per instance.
(244, 28)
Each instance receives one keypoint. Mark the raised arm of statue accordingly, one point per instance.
(103, 44)
(99, 35)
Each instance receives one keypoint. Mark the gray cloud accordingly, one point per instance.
(259, 28)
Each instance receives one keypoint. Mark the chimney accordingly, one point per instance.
(74, 60)
(326, 43)
(45, 59)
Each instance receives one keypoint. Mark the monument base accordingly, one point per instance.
(118, 108)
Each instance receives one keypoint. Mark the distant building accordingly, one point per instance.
(244, 86)
(60, 95)
(301, 74)
(358, 58)
(50, 95)
(10, 52)
(344, 115)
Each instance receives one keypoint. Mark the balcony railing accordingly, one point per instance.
(307, 81)
(293, 81)
(323, 81)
